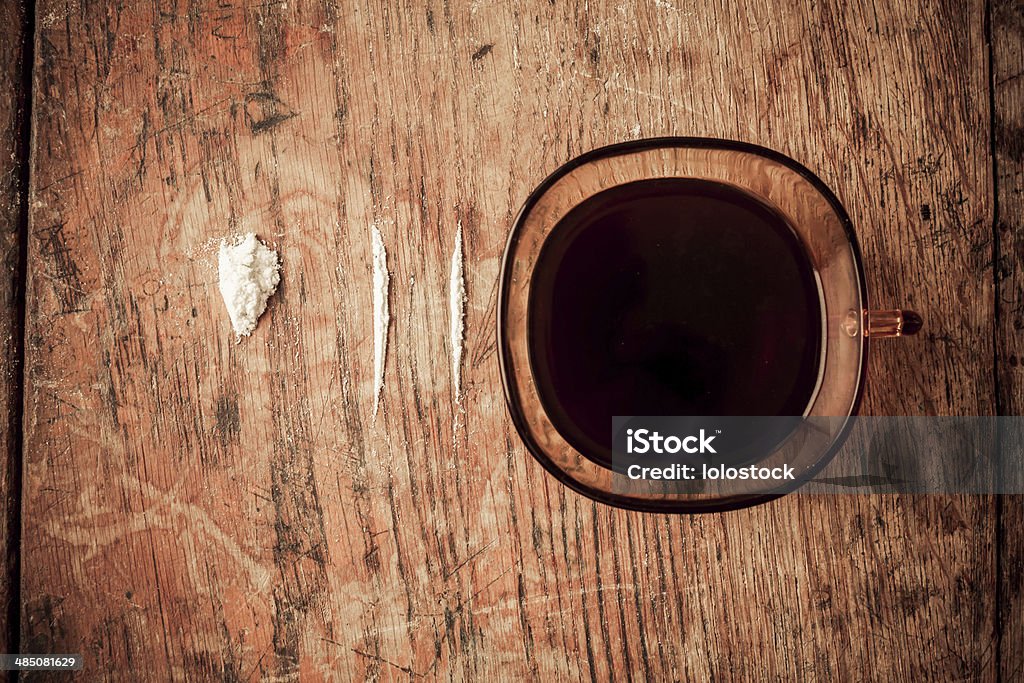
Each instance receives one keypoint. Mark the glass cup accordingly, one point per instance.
(826, 232)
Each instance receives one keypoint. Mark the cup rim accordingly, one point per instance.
(694, 506)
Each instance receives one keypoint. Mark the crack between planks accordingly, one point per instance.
(998, 625)
(13, 511)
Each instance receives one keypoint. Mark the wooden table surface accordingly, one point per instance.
(181, 506)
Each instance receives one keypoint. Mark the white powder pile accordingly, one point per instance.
(457, 311)
(381, 316)
(249, 275)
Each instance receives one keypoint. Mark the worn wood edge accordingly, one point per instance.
(1006, 83)
(15, 117)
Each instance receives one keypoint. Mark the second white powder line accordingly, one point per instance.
(381, 315)
(457, 311)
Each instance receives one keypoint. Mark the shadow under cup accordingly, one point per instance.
(688, 277)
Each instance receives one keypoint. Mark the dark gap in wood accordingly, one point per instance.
(996, 326)
(12, 511)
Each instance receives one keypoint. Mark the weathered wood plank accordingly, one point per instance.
(13, 125)
(1007, 80)
(221, 509)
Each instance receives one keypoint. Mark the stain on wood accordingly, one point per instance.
(482, 52)
(13, 166)
(223, 510)
(264, 111)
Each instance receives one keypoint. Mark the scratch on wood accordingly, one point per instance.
(466, 561)
(378, 658)
(53, 245)
(160, 510)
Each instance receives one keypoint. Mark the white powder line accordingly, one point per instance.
(381, 316)
(457, 312)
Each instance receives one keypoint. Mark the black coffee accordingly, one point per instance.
(671, 297)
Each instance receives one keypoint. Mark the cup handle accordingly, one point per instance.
(881, 324)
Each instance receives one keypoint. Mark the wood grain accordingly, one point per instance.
(1007, 84)
(13, 126)
(223, 510)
